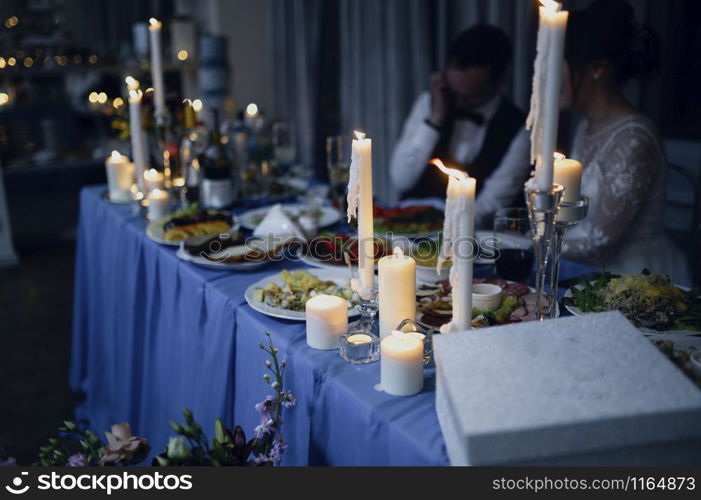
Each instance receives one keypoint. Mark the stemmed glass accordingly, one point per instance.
(512, 232)
(338, 167)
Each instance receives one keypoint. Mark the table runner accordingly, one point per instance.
(153, 334)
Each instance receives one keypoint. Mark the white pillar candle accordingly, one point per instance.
(396, 290)
(153, 179)
(120, 176)
(138, 147)
(401, 364)
(158, 204)
(547, 83)
(327, 320)
(568, 174)
(458, 244)
(360, 204)
(154, 29)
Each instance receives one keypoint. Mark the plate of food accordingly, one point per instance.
(684, 351)
(425, 252)
(328, 250)
(435, 308)
(411, 221)
(283, 295)
(230, 251)
(326, 216)
(189, 222)
(650, 301)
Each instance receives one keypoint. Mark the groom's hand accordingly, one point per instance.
(440, 99)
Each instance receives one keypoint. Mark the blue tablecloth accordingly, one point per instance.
(153, 334)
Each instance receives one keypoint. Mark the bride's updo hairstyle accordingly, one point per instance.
(607, 30)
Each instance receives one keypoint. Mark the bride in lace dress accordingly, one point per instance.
(624, 166)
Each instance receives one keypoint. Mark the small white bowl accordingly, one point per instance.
(427, 274)
(486, 296)
(695, 361)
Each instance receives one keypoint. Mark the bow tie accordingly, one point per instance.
(466, 114)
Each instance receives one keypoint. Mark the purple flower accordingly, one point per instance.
(277, 448)
(288, 400)
(77, 460)
(266, 424)
(265, 406)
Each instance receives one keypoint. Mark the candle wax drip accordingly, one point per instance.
(534, 122)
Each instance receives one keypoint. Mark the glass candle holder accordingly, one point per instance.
(359, 347)
(411, 327)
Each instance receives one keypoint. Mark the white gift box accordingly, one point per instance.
(586, 390)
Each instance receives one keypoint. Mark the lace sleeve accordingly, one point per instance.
(629, 166)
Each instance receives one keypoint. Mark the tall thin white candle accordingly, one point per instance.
(360, 203)
(138, 148)
(458, 241)
(154, 29)
(547, 83)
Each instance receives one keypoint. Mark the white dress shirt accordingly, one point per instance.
(418, 140)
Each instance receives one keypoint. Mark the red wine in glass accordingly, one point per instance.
(515, 264)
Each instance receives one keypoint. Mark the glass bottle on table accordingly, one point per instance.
(193, 145)
(284, 144)
(216, 190)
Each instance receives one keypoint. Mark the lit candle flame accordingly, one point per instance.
(399, 334)
(551, 5)
(252, 109)
(359, 135)
(135, 95)
(558, 156)
(398, 252)
(132, 83)
(115, 155)
(156, 24)
(456, 174)
(150, 174)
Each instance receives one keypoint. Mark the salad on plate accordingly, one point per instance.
(649, 301)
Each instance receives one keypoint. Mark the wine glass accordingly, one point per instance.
(512, 232)
(338, 166)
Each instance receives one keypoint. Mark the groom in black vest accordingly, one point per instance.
(466, 121)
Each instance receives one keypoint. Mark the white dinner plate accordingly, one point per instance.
(154, 231)
(314, 262)
(251, 218)
(219, 266)
(666, 334)
(339, 277)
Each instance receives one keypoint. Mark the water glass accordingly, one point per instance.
(338, 167)
(512, 231)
